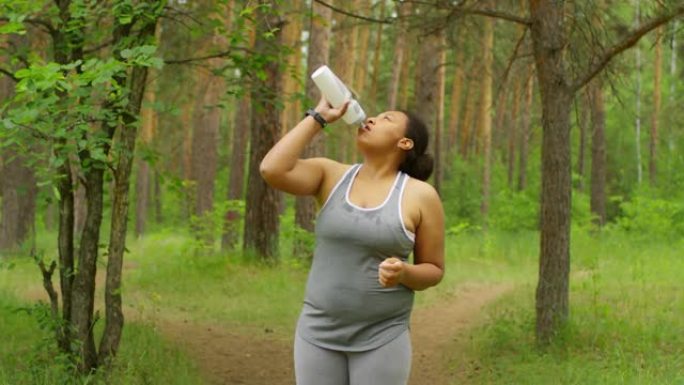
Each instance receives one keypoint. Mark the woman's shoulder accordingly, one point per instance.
(421, 190)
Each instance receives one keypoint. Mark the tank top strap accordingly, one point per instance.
(338, 192)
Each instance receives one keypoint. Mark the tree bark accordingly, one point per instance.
(598, 152)
(485, 113)
(400, 60)
(206, 120)
(136, 82)
(637, 118)
(237, 172)
(513, 132)
(319, 52)
(428, 86)
(142, 185)
(525, 129)
(262, 222)
(549, 41)
(455, 100)
(657, 80)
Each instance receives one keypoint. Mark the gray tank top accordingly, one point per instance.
(345, 307)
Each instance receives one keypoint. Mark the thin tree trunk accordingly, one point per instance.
(319, 52)
(657, 80)
(376, 57)
(598, 152)
(582, 107)
(525, 129)
(637, 119)
(485, 113)
(455, 100)
(512, 132)
(673, 83)
(262, 222)
(206, 121)
(399, 59)
(142, 187)
(114, 318)
(439, 121)
(466, 130)
(237, 173)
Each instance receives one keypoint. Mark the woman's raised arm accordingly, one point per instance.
(282, 167)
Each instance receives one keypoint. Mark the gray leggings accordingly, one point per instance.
(389, 364)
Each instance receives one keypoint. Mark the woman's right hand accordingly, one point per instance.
(330, 113)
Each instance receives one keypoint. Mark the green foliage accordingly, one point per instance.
(623, 329)
(513, 211)
(28, 355)
(648, 217)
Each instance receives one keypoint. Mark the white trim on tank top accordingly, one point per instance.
(339, 182)
(389, 195)
(409, 234)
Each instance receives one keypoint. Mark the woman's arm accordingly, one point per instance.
(428, 251)
(282, 167)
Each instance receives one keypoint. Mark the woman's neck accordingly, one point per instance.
(377, 168)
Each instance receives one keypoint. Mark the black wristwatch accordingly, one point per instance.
(318, 117)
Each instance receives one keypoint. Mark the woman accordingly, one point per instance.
(354, 326)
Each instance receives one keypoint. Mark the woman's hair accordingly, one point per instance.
(417, 164)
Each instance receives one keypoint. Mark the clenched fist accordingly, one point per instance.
(391, 272)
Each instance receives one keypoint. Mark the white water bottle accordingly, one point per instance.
(337, 93)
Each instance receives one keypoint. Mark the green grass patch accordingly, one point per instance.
(28, 354)
(625, 326)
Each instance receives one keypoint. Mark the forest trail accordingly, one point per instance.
(232, 357)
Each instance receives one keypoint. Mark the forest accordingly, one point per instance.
(139, 243)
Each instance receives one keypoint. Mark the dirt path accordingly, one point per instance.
(261, 358)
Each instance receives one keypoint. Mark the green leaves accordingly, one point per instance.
(142, 56)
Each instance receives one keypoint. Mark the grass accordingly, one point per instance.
(28, 355)
(626, 319)
(625, 327)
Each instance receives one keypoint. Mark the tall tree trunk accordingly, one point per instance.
(343, 66)
(262, 222)
(206, 121)
(319, 52)
(291, 34)
(238, 160)
(513, 132)
(598, 152)
(439, 118)
(525, 129)
(114, 318)
(582, 107)
(549, 41)
(17, 188)
(657, 80)
(237, 172)
(466, 131)
(673, 85)
(377, 53)
(400, 60)
(455, 100)
(637, 119)
(142, 184)
(485, 112)
(427, 83)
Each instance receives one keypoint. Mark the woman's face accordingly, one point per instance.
(384, 131)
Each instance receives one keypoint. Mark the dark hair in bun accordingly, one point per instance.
(417, 164)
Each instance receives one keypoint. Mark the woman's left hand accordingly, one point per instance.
(391, 272)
